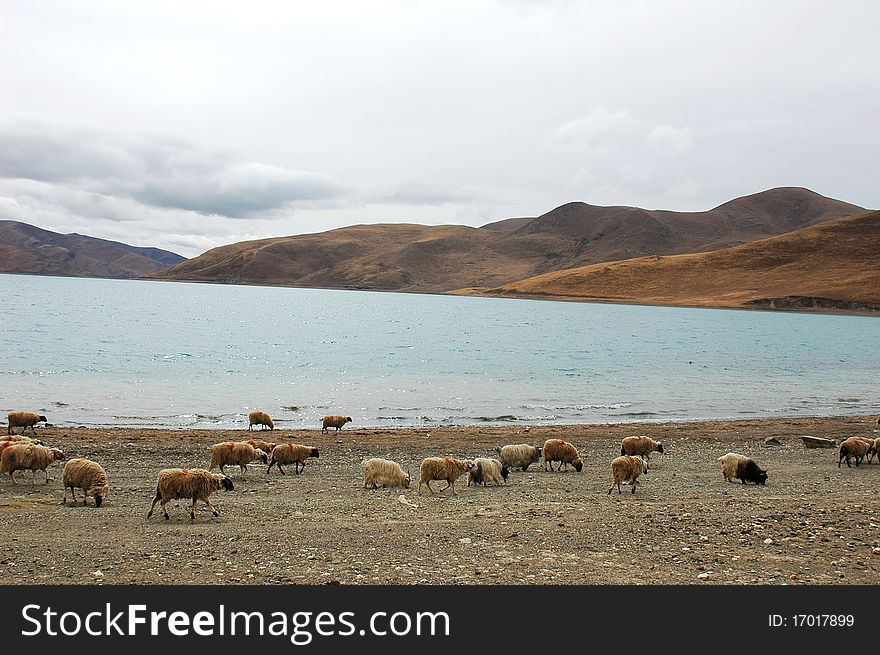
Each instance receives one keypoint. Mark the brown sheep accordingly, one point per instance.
(197, 484)
(641, 445)
(334, 422)
(557, 450)
(87, 475)
(857, 447)
(442, 468)
(627, 468)
(291, 453)
(230, 453)
(28, 456)
(265, 446)
(875, 450)
(23, 420)
(260, 418)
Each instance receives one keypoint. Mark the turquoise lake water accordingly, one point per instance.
(134, 353)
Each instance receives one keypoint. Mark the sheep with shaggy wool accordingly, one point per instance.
(260, 418)
(875, 450)
(82, 473)
(857, 447)
(734, 465)
(27, 456)
(442, 468)
(197, 484)
(23, 420)
(265, 446)
(487, 470)
(640, 445)
(627, 468)
(334, 422)
(230, 453)
(291, 453)
(520, 455)
(385, 473)
(558, 450)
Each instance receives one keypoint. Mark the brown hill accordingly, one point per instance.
(831, 265)
(439, 259)
(28, 249)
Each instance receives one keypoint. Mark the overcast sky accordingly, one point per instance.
(187, 125)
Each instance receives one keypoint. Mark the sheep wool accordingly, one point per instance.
(291, 453)
(27, 456)
(442, 468)
(557, 450)
(858, 447)
(487, 470)
(265, 446)
(640, 445)
(260, 418)
(334, 422)
(23, 420)
(197, 484)
(627, 468)
(734, 465)
(231, 453)
(385, 473)
(520, 456)
(82, 473)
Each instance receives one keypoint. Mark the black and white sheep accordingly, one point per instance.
(291, 453)
(231, 453)
(519, 456)
(197, 484)
(734, 465)
(442, 468)
(558, 450)
(627, 468)
(383, 473)
(487, 470)
(21, 457)
(23, 420)
(82, 473)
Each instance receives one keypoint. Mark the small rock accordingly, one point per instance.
(768, 541)
(98, 574)
(703, 575)
(465, 540)
(772, 441)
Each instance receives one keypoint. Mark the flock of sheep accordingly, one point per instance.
(19, 452)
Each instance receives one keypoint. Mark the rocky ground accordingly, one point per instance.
(813, 523)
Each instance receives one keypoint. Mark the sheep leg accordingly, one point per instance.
(213, 509)
(280, 469)
(192, 510)
(64, 500)
(150, 513)
(427, 484)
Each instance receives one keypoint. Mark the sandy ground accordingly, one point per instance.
(813, 523)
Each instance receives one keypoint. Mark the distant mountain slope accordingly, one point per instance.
(439, 259)
(28, 249)
(831, 265)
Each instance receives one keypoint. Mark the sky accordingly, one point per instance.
(189, 125)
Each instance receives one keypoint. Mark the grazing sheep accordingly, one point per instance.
(442, 468)
(291, 453)
(857, 447)
(23, 420)
(384, 472)
(265, 446)
(627, 468)
(334, 422)
(519, 456)
(260, 418)
(487, 470)
(87, 475)
(734, 465)
(557, 450)
(230, 453)
(28, 456)
(641, 445)
(197, 484)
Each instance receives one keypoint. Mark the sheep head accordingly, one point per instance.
(314, 452)
(227, 483)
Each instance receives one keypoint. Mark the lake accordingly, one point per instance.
(160, 354)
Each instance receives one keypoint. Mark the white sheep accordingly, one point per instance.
(640, 445)
(23, 420)
(487, 470)
(384, 473)
(557, 450)
(21, 457)
(519, 456)
(627, 468)
(260, 418)
(291, 453)
(87, 475)
(334, 422)
(230, 453)
(442, 468)
(197, 484)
